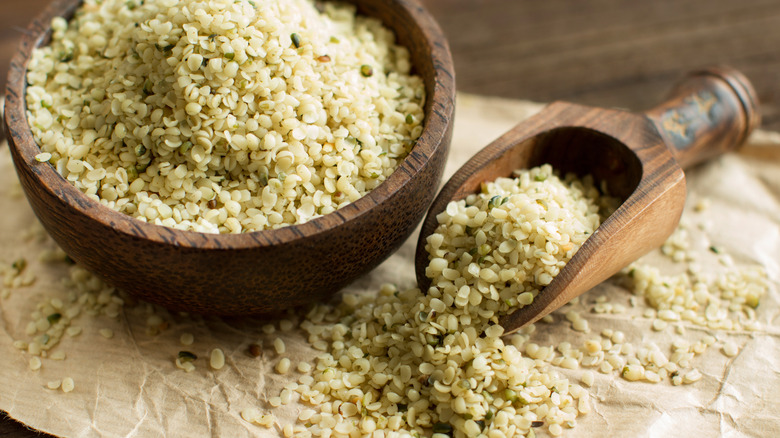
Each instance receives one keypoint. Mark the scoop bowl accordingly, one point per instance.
(638, 156)
(250, 273)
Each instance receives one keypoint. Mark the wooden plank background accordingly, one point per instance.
(614, 53)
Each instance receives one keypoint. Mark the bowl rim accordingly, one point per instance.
(439, 109)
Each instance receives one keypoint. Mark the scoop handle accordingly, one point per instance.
(708, 113)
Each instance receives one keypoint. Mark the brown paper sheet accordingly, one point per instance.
(129, 386)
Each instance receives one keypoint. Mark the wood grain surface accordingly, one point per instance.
(609, 53)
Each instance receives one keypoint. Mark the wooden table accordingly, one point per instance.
(620, 53)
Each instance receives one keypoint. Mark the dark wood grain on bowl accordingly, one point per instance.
(256, 272)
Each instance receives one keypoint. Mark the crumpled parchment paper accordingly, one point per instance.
(128, 385)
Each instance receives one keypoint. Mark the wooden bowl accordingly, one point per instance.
(249, 273)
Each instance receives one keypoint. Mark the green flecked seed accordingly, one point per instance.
(54, 318)
(185, 147)
(132, 173)
(19, 264)
(494, 202)
(140, 150)
(442, 428)
(296, 39)
(409, 119)
(187, 356)
(230, 55)
(366, 70)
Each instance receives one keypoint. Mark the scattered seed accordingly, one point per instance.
(255, 350)
(67, 384)
(283, 366)
(217, 360)
(659, 325)
(588, 378)
(279, 346)
(250, 414)
(286, 325)
(186, 339)
(73, 331)
(35, 363)
(692, 376)
(730, 349)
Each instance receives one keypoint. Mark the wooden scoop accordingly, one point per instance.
(639, 156)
